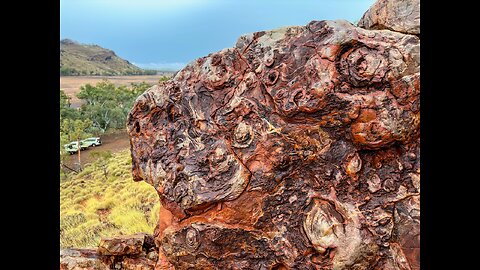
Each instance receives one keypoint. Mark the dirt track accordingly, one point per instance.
(111, 142)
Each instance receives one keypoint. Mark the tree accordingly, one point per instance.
(65, 110)
(103, 91)
(106, 105)
(164, 79)
(66, 71)
(102, 161)
(63, 153)
(75, 130)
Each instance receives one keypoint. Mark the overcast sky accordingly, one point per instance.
(167, 34)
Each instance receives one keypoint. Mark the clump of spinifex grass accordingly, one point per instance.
(95, 204)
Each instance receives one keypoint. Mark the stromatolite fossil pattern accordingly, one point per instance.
(296, 149)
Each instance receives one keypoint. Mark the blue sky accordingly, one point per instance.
(167, 34)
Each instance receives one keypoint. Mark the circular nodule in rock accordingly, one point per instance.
(192, 239)
(180, 191)
(374, 183)
(243, 135)
(362, 65)
(320, 224)
(354, 165)
(272, 77)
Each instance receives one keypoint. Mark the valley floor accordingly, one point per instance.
(71, 84)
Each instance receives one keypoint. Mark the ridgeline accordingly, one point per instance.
(78, 59)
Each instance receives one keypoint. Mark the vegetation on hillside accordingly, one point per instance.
(66, 71)
(103, 201)
(81, 59)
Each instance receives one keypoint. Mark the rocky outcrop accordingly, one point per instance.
(296, 149)
(396, 15)
(133, 252)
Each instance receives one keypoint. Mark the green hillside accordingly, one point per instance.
(80, 59)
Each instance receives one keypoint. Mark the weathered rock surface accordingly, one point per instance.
(123, 245)
(81, 259)
(133, 252)
(296, 149)
(396, 15)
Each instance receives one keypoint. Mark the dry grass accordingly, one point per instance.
(92, 207)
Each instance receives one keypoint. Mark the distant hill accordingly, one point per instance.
(82, 59)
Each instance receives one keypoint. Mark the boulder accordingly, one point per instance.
(396, 15)
(296, 149)
(123, 245)
(81, 259)
(129, 252)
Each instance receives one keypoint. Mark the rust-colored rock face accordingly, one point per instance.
(396, 15)
(296, 149)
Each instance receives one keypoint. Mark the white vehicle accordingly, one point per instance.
(94, 141)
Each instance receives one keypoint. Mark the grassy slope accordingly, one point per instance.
(94, 60)
(92, 207)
